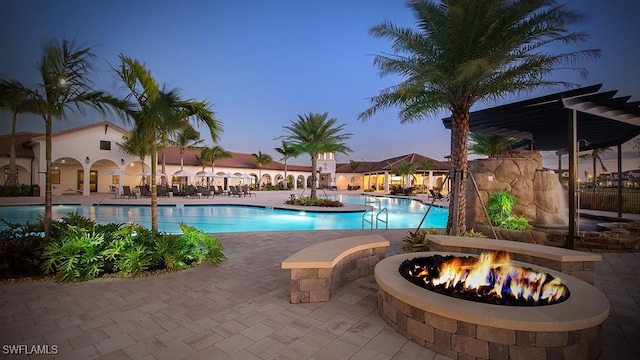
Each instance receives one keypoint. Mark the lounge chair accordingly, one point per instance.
(144, 191)
(245, 190)
(126, 191)
(204, 191)
(190, 191)
(220, 190)
(234, 191)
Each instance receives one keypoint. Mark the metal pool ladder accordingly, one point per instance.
(372, 211)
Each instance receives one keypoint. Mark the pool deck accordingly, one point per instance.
(240, 309)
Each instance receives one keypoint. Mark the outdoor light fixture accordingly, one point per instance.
(121, 161)
(87, 160)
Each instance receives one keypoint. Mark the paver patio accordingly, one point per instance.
(240, 310)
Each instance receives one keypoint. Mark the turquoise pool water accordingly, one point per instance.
(403, 214)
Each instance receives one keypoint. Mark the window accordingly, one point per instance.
(105, 145)
(55, 176)
(115, 179)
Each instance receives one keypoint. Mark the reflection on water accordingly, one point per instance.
(403, 214)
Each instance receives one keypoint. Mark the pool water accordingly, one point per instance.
(403, 214)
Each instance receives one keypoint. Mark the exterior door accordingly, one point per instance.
(93, 180)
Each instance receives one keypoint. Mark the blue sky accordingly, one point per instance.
(263, 62)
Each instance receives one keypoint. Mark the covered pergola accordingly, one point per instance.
(566, 122)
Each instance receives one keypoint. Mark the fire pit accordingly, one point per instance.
(460, 328)
(489, 278)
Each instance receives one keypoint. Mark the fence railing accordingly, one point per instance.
(608, 201)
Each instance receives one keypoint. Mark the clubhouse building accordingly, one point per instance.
(88, 160)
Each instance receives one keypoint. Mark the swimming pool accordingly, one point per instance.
(403, 214)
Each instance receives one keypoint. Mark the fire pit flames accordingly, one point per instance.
(489, 278)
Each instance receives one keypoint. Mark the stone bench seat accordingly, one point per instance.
(319, 270)
(575, 263)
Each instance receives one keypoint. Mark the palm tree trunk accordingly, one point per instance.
(12, 180)
(459, 138)
(47, 192)
(286, 184)
(154, 193)
(593, 186)
(314, 164)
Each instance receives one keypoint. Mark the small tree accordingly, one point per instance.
(16, 98)
(314, 134)
(594, 156)
(287, 151)
(261, 160)
(490, 145)
(353, 165)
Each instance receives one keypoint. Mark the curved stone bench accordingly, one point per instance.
(575, 263)
(319, 270)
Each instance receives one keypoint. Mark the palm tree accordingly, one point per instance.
(160, 111)
(353, 165)
(467, 51)
(136, 145)
(14, 97)
(489, 144)
(595, 156)
(287, 151)
(209, 156)
(314, 134)
(186, 138)
(261, 160)
(403, 169)
(64, 69)
(426, 164)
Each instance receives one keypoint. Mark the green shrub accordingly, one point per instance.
(500, 206)
(306, 201)
(77, 257)
(208, 247)
(417, 242)
(128, 253)
(82, 250)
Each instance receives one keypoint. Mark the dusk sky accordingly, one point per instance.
(263, 62)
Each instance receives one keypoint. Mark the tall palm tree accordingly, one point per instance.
(209, 156)
(261, 160)
(425, 165)
(314, 134)
(287, 151)
(403, 169)
(135, 144)
(14, 97)
(353, 165)
(64, 70)
(595, 156)
(465, 51)
(489, 144)
(186, 138)
(159, 111)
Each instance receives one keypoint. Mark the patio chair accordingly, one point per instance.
(204, 191)
(145, 191)
(245, 190)
(233, 190)
(190, 191)
(221, 190)
(126, 191)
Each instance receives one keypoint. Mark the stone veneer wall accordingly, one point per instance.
(462, 340)
(520, 172)
(319, 284)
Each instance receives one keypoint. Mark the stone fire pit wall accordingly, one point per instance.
(463, 329)
(521, 173)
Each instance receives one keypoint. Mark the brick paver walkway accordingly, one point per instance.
(240, 310)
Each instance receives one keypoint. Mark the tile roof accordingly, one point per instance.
(239, 160)
(21, 140)
(413, 158)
